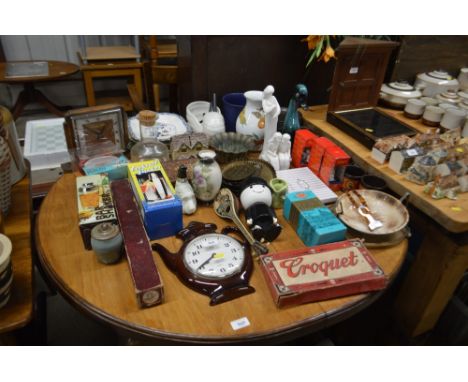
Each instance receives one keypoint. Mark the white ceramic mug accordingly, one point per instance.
(446, 106)
(432, 115)
(415, 107)
(453, 118)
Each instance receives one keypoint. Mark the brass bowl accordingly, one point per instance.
(231, 146)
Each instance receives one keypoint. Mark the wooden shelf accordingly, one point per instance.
(105, 53)
(19, 310)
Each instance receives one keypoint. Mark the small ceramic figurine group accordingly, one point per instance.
(276, 146)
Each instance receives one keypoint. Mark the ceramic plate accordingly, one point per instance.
(384, 207)
(168, 125)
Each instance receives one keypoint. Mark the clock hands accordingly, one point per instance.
(214, 255)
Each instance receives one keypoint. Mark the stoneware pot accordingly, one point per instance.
(251, 120)
(453, 119)
(414, 109)
(463, 79)
(106, 241)
(396, 94)
(449, 96)
(435, 82)
(432, 116)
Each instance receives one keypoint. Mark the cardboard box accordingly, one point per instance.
(314, 223)
(303, 141)
(333, 166)
(160, 208)
(321, 272)
(146, 279)
(95, 204)
(318, 149)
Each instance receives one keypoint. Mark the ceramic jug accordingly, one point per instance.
(251, 120)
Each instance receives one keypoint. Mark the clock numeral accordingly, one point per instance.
(222, 270)
(234, 258)
(194, 261)
(227, 244)
(202, 268)
(199, 246)
(230, 265)
(233, 250)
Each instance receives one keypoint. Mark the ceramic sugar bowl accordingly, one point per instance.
(435, 82)
(106, 241)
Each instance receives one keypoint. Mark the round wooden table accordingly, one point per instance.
(57, 70)
(106, 291)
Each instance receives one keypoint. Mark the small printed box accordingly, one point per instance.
(333, 166)
(303, 140)
(95, 204)
(401, 161)
(160, 208)
(313, 222)
(321, 273)
(319, 147)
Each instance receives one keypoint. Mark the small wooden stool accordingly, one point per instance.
(102, 68)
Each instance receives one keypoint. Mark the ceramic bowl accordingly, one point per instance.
(231, 146)
(396, 94)
(384, 207)
(195, 112)
(450, 96)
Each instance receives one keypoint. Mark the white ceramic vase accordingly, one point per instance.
(207, 176)
(251, 120)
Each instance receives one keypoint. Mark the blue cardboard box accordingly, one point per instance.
(314, 223)
(160, 208)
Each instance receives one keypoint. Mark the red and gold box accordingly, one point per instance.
(333, 166)
(321, 273)
(303, 140)
(318, 149)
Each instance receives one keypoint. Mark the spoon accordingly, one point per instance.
(225, 207)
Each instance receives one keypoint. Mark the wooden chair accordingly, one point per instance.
(161, 59)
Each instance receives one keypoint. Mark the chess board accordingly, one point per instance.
(45, 147)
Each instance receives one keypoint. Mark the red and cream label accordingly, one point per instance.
(310, 268)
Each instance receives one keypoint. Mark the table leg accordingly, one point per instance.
(433, 277)
(29, 95)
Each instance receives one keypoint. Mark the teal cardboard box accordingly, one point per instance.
(314, 223)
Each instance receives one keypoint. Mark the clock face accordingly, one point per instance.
(100, 130)
(214, 256)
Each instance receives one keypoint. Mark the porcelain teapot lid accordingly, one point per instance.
(440, 74)
(401, 85)
(449, 94)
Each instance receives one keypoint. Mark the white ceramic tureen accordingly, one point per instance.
(396, 94)
(435, 82)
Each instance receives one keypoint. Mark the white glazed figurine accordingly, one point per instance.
(255, 193)
(185, 192)
(277, 151)
(284, 152)
(272, 111)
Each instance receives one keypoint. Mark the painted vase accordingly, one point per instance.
(207, 176)
(251, 120)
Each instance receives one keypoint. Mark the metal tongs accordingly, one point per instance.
(364, 210)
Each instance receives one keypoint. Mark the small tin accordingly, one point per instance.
(106, 241)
